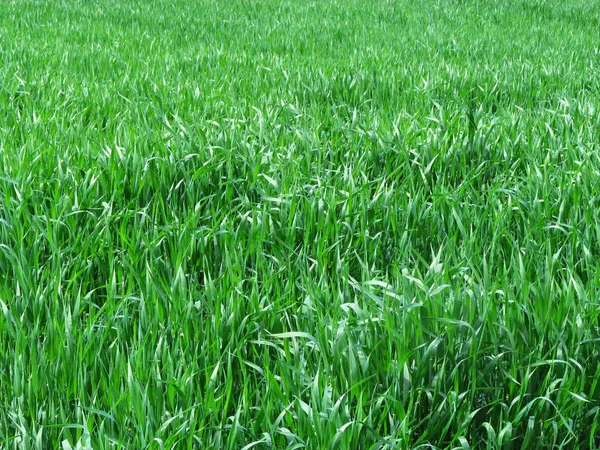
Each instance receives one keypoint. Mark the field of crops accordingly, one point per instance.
(288, 224)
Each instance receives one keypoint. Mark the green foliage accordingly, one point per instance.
(299, 224)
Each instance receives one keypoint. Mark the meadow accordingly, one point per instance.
(277, 224)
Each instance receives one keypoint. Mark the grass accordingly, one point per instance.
(299, 224)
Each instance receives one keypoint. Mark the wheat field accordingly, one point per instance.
(277, 224)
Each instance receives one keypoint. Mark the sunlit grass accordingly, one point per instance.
(298, 224)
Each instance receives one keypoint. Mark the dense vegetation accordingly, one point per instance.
(357, 224)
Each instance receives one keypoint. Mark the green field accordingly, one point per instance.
(288, 224)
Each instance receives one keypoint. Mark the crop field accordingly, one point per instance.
(299, 224)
